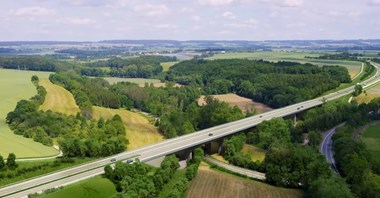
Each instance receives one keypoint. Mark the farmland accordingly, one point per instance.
(211, 183)
(371, 138)
(138, 129)
(16, 85)
(96, 187)
(352, 66)
(58, 99)
(244, 104)
(370, 94)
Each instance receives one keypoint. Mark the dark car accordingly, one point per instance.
(129, 161)
(113, 160)
(210, 134)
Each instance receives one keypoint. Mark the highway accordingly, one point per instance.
(169, 146)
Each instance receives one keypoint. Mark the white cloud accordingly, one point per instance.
(152, 10)
(292, 3)
(250, 23)
(196, 18)
(166, 26)
(32, 11)
(229, 15)
(216, 2)
(374, 2)
(186, 10)
(79, 21)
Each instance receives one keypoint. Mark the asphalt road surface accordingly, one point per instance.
(166, 147)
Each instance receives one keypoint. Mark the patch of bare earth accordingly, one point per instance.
(244, 104)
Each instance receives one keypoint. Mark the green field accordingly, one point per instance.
(114, 80)
(96, 187)
(167, 65)
(371, 138)
(16, 85)
(255, 152)
(352, 66)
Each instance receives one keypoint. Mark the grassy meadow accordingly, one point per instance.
(58, 99)
(215, 184)
(96, 187)
(352, 66)
(256, 153)
(371, 137)
(167, 65)
(139, 130)
(16, 85)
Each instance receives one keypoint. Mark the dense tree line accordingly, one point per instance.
(133, 180)
(275, 84)
(177, 107)
(34, 63)
(139, 67)
(360, 169)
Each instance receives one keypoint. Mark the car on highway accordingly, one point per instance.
(129, 161)
(113, 160)
(210, 134)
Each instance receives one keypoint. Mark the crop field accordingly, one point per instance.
(58, 99)
(244, 104)
(167, 65)
(96, 187)
(371, 138)
(255, 152)
(16, 85)
(353, 67)
(138, 129)
(214, 184)
(370, 94)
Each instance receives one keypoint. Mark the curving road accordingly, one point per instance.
(236, 169)
(326, 147)
(166, 147)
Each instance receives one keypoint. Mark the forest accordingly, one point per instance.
(34, 63)
(137, 67)
(274, 84)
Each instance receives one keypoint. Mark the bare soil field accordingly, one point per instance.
(214, 184)
(58, 99)
(138, 129)
(244, 104)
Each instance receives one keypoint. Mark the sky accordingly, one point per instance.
(94, 20)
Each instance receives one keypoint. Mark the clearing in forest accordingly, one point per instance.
(244, 104)
(16, 85)
(58, 99)
(371, 137)
(215, 184)
(139, 130)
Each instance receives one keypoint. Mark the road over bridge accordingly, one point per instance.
(169, 146)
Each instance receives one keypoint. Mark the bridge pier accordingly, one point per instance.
(215, 146)
(186, 154)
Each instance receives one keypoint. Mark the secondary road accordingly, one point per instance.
(236, 169)
(326, 147)
(167, 147)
